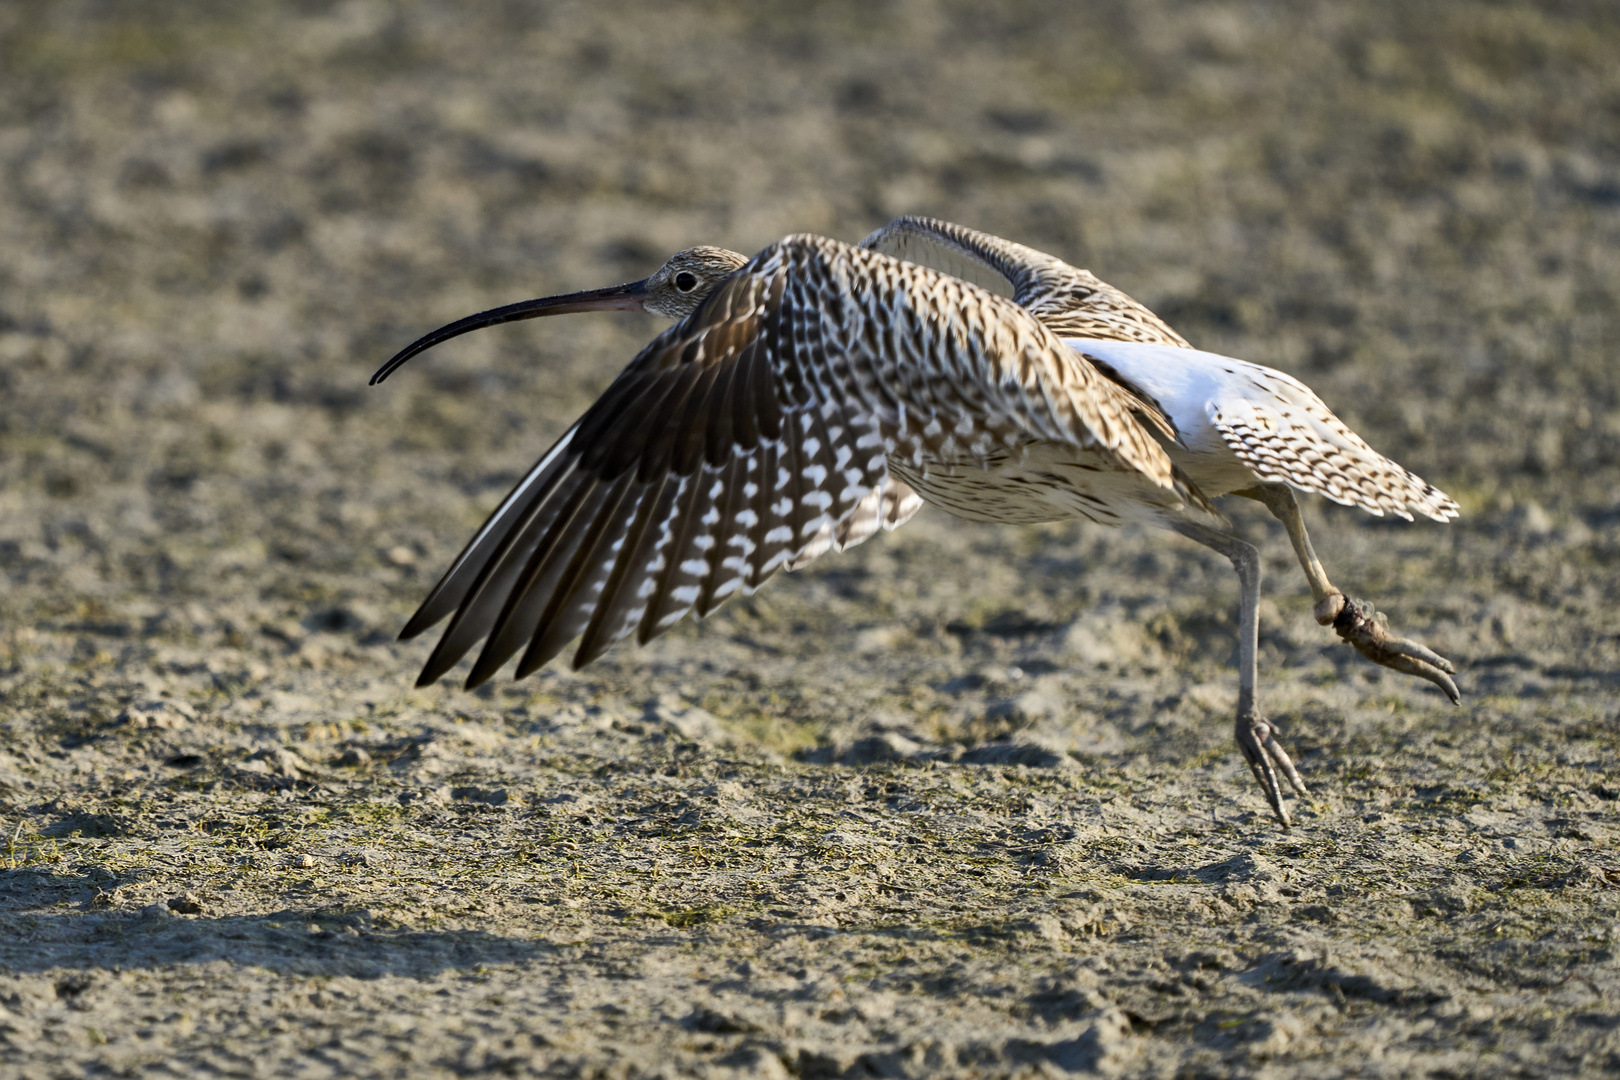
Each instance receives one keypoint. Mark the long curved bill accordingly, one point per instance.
(614, 298)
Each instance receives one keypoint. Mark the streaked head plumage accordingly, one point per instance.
(681, 284)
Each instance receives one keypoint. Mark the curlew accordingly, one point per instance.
(819, 391)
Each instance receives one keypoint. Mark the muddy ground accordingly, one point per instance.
(962, 802)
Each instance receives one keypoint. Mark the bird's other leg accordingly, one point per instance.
(1355, 621)
(1255, 736)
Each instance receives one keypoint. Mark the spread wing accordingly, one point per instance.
(1070, 301)
(753, 437)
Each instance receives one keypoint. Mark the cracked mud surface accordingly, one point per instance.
(963, 801)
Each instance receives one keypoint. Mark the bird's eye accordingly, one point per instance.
(686, 281)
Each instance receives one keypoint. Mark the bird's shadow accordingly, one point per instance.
(53, 921)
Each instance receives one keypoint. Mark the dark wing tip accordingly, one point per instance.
(415, 625)
(437, 665)
(482, 671)
(532, 661)
(589, 651)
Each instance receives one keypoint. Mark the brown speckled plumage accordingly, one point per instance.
(756, 434)
(820, 391)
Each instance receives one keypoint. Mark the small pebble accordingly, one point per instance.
(186, 904)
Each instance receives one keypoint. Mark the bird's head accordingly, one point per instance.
(679, 286)
(675, 290)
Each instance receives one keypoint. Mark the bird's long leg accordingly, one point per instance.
(1356, 621)
(1255, 736)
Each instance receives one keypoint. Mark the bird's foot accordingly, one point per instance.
(1266, 757)
(1367, 629)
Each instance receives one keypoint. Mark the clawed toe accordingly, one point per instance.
(1266, 757)
(1368, 630)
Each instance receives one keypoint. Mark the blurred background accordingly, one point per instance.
(217, 220)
